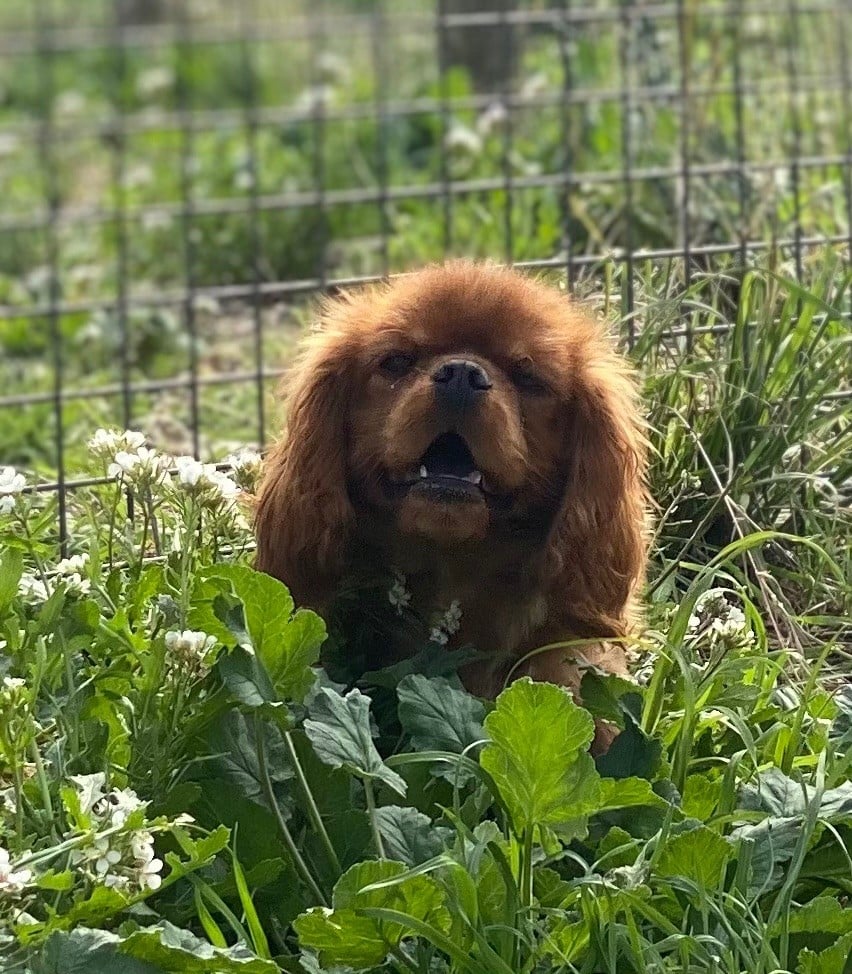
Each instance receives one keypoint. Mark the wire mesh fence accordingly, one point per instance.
(180, 177)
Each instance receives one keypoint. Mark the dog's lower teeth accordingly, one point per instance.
(475, 477)
(424, 473)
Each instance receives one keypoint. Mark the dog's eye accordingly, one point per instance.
(526, 380)
(396, 364)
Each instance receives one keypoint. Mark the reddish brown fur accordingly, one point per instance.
(567, 560)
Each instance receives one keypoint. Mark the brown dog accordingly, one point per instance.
(475, 430)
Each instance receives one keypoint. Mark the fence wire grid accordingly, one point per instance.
(180, 177)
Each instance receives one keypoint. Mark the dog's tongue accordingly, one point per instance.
(449, 455)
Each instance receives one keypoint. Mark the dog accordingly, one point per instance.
(473, 428)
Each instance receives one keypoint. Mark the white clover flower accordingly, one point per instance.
(12, 880)
(398, 594)
(12, 484)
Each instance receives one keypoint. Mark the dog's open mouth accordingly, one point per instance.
(447, 469)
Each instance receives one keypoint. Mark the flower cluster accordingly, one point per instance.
(105, 444)
(70, 572)
(190, 650)
(448, 625)
(117, 854)
(204, 480)
(717, 625)
(12, 879)
(398, 594)
(12, 484)
(247, 466)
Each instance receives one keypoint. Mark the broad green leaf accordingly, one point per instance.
(286, 643)
(537, 755)
(233, 745)
(411, 836)
(700, 855)
(822, 915)
(701, 796)
(774, 842)
(775, 793)
(339, 729)
(245, 678)
(783, 797)
(567, 941)
(631, 754)
(172, 949)
(832, 960)
(627, 793)
(438, 715)
(84, 951)
(342, 936)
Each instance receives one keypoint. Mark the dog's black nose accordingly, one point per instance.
(459, 383)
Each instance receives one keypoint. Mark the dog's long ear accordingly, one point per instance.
(599, 542)
(303, 514)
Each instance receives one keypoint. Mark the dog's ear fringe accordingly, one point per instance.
(601, 537)
(302, 513)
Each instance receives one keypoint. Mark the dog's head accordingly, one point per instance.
(464, 404)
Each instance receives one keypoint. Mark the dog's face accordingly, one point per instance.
(465, 404)
(459, 415)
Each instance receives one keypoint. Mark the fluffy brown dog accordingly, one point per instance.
(472, 428)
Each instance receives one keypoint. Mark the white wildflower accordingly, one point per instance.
(247, 466)
(12, 880)
(106, 443)
(190, 648)
(452, 618)
(463, 140)
(72, 572)
(189, 471)
(90, 789)
(33, 589)
(439, 636)
(148, 867)
(145, 467)
(448, 625)
(120, 804)
(718, 624)
(398, 594)
(12, 484)
(8, 801)
(154, 81)
(204, 480)
(13, 683)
